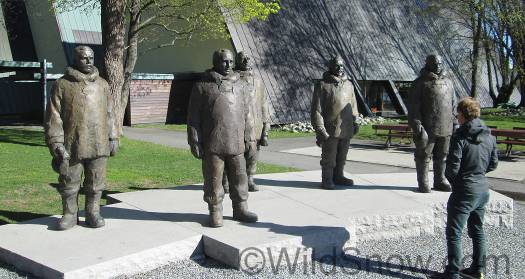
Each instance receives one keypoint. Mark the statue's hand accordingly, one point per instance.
(356, 128)
(58, 150)
(421, 139)
(196, 150)
(263, 141)
(418, 127)
(114, 145)
(321, 138)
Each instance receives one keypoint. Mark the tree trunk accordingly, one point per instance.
(504, 94)
(522, 93)
(476, 23)
(488, 59)
(113, 37)
(489, 76)
(131, 57)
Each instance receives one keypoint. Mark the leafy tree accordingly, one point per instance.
(127, 23)
(497, 29)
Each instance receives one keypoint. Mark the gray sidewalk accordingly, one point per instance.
(273, 154)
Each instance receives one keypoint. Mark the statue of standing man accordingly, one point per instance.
(217, 116)
(258, 124)
(432, 104)
(81, 135)
(333, 115)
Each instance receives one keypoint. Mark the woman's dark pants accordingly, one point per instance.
(466, 208)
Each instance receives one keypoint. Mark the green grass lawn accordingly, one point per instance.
(366, 132)
(274, 133)
(169, 127)
(26, 190)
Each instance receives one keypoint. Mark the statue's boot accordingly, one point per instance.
(252, 187)
(422, 176)
(440, 181)
(215, 215)
(340, 179)
(328, 178)
(225, 183)
(241, 213)
(69, 211)
(93, 217)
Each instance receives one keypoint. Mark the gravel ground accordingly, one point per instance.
(407, 258)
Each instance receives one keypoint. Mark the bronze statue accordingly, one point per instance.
(258, 123)
(217, 116)
(333, 115)
(81, 135)
(432, 104)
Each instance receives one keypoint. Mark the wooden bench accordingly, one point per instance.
(512, 137)
(401, 131)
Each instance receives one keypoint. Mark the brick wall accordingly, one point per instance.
(149, 100)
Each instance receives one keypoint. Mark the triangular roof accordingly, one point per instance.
(378, 39)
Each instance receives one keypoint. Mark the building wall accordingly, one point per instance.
(5, 49)
(46, 34)
(56, 36)
(195, 56)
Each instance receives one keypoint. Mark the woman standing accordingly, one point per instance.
(472, 154)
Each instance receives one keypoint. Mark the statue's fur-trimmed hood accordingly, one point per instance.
(79, 76)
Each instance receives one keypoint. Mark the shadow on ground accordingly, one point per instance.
(317, 185)
(24, 137)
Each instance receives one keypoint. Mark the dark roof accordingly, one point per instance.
(378, 39)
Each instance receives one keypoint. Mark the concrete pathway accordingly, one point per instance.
(365, 157)
(405, 158)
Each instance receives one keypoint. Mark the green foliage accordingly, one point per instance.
(184, 19)
(246, 10)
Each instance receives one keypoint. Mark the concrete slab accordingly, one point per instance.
(400, 158)
(285, 225)
(296, 218)
(132, 241)
(499, 211)
(295, 214)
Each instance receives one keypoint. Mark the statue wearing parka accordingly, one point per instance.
(217, 125)
(333, 114)
(257, 125)
(431, 115)
(80, 115)
(80, 134)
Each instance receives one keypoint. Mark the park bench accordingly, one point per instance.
(401, 131)
(509, 137)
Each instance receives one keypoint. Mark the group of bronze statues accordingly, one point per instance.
(228, 122)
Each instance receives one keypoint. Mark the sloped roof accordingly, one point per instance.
(378, 39)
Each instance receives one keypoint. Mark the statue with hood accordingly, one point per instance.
(431, 115)
(333, 116)
(217, 116)
(81, 135)
(258, 124)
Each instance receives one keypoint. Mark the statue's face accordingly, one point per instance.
(337, 67)
(84, 59)
(435, 64)
(224, 64)
(244, 63)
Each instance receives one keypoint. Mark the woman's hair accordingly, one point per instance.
(470, 108)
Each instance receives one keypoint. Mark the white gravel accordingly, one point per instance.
(377, 259)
